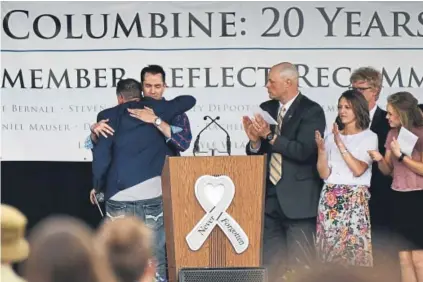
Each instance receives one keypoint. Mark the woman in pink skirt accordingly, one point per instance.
(343, 221)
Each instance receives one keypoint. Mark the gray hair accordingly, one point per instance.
(288, 70)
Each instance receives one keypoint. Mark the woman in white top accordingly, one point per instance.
(343, 221)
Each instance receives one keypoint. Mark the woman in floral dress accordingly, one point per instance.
(343, 222)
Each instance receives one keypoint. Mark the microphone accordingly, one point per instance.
(228, 138)
(196, 148)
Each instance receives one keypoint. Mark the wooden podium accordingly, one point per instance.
(182, 211)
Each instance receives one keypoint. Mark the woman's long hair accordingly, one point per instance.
(360, 108)
(406, 106)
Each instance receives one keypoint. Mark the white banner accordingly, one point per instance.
(61, 61)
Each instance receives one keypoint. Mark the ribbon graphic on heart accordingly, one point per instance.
(216, 214)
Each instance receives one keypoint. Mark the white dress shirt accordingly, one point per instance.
(287, 105)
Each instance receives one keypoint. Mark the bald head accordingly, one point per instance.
(282, 82)
(287, 70)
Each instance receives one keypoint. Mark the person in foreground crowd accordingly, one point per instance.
(407, 172)
(128, 164)
(293, 184)
(343, 222)
(178, 133)
(128, 246)
(368, 81)
(14, 246)
(63, 250)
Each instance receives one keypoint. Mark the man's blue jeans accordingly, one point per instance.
(151, 213)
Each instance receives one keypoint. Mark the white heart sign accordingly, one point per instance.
(215, 194)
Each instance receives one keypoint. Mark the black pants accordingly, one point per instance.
(408, 220)
(385, 255)
(287, 243)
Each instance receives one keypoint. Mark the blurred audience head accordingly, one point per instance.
(63, 250)
(128, 245)
(14, 247)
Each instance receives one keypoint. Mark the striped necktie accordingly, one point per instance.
(275, 172)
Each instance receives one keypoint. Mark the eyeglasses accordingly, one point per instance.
(359, 89)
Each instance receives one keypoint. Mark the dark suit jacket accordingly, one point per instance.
(137, 151)
(298, 191)
(380, 186)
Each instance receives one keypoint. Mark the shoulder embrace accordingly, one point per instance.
(105, 113)
(182, 116)
(189, 98)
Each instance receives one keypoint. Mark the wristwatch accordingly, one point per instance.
(401, 158)
(270, 136)
(157, 121)
(343, 152)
